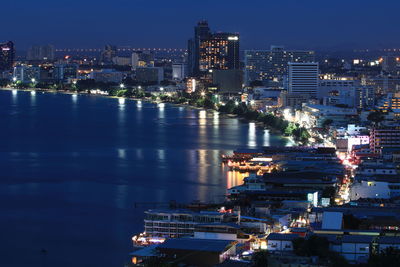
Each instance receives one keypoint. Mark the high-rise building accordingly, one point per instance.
(272, 65)
(384, 137)
(201, 32)
(26, 73)
(142, 59)
(389, 64)
(219, 52)
(109, 52)
(41, 53)
(7, 55)
(178, 71)
(212, 51)
(303, 78)
(66, 72)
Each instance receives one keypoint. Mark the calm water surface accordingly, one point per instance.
(72, 167)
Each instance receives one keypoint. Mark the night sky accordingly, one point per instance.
(169, 23)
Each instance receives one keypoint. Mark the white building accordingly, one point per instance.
(251, 183)
(26, 73)
(303, 78)
(178, 71)
(369, 189)
(314, 115)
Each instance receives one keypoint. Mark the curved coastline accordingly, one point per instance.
(290, 140)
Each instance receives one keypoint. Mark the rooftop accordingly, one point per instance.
(286, 237)
(357, 239)
(196, 244)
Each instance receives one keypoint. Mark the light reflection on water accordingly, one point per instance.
(73, 169)
(252, 135)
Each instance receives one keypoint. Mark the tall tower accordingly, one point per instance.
(7, 55)
(201, 32)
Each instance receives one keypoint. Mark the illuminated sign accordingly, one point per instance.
(233, 38)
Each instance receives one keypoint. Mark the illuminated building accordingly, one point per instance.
(219, 52)
(141, 59)
(212, 51)
(272, 65)
(191, 85)
(384, 137)
(390, 105)
(201, 32)
(41, 53)
(177, 223)
(383, 84)
(7, 55)
(25, 73)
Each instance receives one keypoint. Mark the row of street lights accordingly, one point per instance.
(33, 80)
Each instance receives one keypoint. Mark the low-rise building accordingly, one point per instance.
(280, 242)
(178, 223)
(197, 252)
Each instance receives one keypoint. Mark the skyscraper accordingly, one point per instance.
(7, 55)
(209, 51)
(201, 32)
(219, 52)
(303, 78)
(272, 65)
(41, 53)
(109, 52)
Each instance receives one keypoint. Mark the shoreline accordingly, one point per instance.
(291, 141)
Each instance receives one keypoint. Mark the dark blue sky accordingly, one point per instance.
(169, 23)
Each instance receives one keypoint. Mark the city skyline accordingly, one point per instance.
(359, 24)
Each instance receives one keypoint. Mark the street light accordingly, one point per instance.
(122, 86)
(14, 79)
(161, 89)
(203, 94)
(33, 80)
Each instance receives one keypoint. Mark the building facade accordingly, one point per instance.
(41, 53)
(303, 78)
(384, 137)
(7, 55)
(212, 51)
(272, 65)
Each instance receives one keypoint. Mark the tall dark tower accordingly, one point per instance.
(201, 32)
(7, 55)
